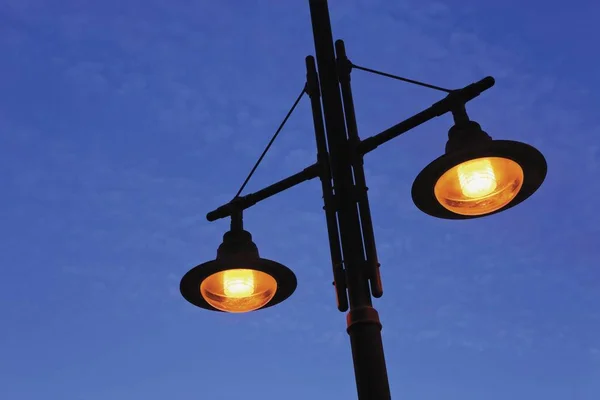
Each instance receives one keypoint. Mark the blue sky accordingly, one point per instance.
(123, 122)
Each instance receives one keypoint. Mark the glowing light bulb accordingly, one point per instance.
(477, 178)
(238, 283)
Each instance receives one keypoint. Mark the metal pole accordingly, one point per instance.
(366, 223)
(339, 275)
(364, 327)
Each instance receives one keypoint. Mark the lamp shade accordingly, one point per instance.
(478, 176)
(238, 280)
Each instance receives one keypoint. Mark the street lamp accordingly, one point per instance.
(238, 280)
(476, 176)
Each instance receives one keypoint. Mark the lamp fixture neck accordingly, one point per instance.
(464, 135)
(237, 215)
(459, 113)
(237, 243)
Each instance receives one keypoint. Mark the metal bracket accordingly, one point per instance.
(356, 194)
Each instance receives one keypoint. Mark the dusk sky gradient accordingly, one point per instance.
(123, 122)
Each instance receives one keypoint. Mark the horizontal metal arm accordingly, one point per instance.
(247, 201)
(456, 98)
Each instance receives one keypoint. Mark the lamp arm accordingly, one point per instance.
(454, 99)
(243, 202)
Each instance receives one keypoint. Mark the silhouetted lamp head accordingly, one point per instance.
(478, 176)
(238, 280)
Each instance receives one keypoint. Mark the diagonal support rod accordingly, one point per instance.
(241, 189)
(400, 78)
(241, 203)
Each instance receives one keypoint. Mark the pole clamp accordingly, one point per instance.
(362, 315)
(356, 194)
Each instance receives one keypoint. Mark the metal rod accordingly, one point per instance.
(400, 78)
(339, 275)
(366, 222)
(264, 153)
(449, 103)
(249, 200)
(364, 327)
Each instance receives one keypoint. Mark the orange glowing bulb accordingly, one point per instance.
(238, 290)
(238, 283)
(479, 186)
(477, 178)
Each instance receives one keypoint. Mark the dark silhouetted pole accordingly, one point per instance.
(364, 327)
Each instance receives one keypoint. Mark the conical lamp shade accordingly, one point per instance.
(478, 176)
(238, 280)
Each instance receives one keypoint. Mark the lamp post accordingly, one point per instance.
(476, 176)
